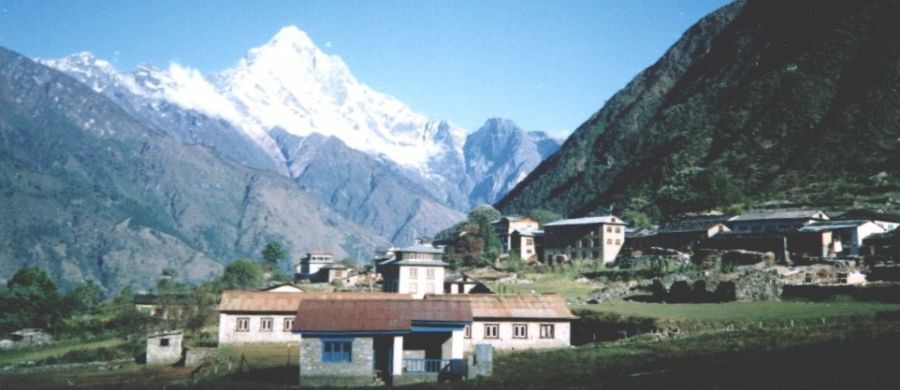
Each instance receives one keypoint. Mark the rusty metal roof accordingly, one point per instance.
(287, 302)
(523, 306)
(375, 315)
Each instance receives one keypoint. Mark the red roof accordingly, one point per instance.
(287, 302)
(365, 315)
(516, 306)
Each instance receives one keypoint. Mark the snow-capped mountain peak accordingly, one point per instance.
(291, 84)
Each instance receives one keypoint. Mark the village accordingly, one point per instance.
(411, 318)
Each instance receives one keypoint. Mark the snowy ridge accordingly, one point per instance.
(289, 83)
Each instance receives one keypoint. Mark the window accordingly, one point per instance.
(520, 331)
(337, 351)
(618, 229)
(429, 274)
(164, 342)
(413, 288)
(413, 273)
(529, 251)
(288, 324)
(546, 331)
(467, 331)
(265, 324)
(529, 241)
(491, 331)
(618, 242)
(609, 229)
(609, 241)
(243, 324)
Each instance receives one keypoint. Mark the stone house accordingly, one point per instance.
(505, 226)
(416, 270)
(775, 221)
(590, 238)
(164, 348)
(527, 243)
(356, 342)
(310, 267)
(515, 322)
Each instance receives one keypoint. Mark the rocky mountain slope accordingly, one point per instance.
(760, 101)
(499, 155)
(90, 191)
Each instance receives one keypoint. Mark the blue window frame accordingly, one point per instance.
(337, 351)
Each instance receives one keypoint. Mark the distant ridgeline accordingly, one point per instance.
(789, 103)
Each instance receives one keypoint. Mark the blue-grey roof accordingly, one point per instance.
(421, 249)
(606, 219)
(824, 226)
(529, 232)
(422, 262)
(788, 214)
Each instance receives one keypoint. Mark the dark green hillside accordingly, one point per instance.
(87, 192)
(760, 101)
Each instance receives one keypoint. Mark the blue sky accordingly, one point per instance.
(548, 65)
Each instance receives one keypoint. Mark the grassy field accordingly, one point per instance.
(862, 356)
(55, 350)
(740, 311)
(560, 283)
(127, 376)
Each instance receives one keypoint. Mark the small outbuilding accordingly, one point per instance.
(164, 348)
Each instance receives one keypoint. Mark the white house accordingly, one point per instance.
(283, 288)
(416, 270)
(847, 235)
(515, 322)
(311, 265)
(251, 317)
(257, 316)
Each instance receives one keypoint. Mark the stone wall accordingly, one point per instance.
(196, 356)
(358, 372)
(228, 333)
(506, 341)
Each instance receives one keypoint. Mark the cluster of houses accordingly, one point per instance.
(424, 323)
(590, 238)
(421, 326)
(794, 235)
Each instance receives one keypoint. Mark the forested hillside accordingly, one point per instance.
(761, 101)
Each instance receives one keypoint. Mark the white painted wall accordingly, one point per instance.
(228, 333)
(423, 284)
(562, 336)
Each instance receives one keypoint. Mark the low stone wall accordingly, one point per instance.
(196, 356)
(880, 293)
